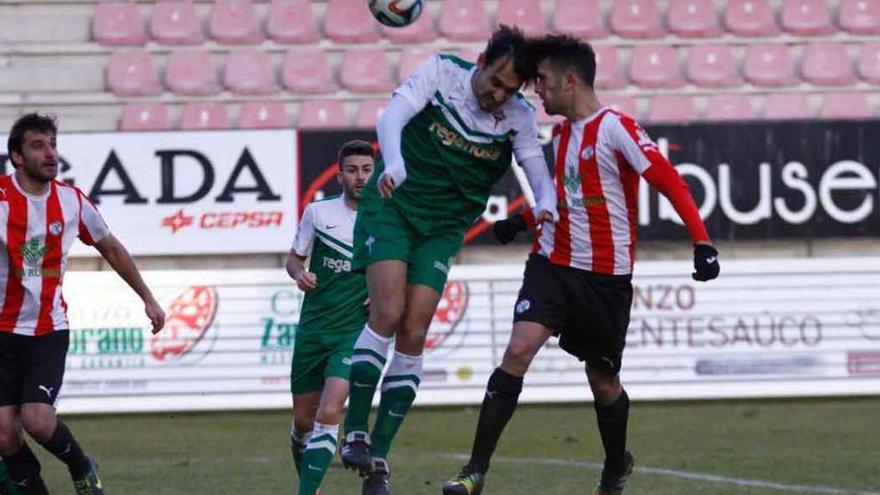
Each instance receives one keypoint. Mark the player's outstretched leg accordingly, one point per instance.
(377, 480)
(612, 415)
(24, 469)
(317, 457)
(399, 389)
(367, 361)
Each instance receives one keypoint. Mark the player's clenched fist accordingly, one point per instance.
(305, 280)
(505, 230)
(706, 265)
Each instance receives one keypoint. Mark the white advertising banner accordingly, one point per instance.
(772, 328)
(207, 192)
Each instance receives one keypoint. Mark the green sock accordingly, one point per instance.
(398, 393)
(298, 442)
(316, 458)
(367, 362)
(7, 486)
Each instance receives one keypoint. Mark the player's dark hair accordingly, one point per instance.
(33, 122)
(509, 41)
(355, 147)
(566, 52)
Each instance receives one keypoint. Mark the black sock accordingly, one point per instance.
(63, 446)
(502, 394)
(24, 469)
(612, 420)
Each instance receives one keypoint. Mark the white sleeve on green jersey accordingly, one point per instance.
(305, 234)
(526, 143)
(421, 86)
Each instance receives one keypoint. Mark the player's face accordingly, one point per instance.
(354, 172)
(549, 86)
(495, 83)
(39, 156)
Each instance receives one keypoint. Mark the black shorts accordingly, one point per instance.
(32, 368)
(589, 312)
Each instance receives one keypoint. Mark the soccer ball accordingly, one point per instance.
(396, 13)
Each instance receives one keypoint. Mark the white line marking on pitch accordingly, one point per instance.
(687, 475)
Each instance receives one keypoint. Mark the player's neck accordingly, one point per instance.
(351, 203)
(585, 104)
(30, 185)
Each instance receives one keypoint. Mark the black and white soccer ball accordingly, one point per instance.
(396, 13)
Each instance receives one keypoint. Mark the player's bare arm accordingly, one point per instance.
(296, 268)
(123, 264)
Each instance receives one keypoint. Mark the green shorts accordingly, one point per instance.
(318, 357)
(382, 232)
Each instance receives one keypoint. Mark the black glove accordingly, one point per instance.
(506, 230)
(706, 265)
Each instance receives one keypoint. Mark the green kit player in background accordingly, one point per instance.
(447, 136)
(333, 313)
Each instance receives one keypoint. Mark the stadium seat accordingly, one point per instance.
(692, 18)
(526, 14)
(608, 73)
(750, 18)
(784, 106)
(869, 62)
(368, 113)
(132, 73)
(118, 23)
(234, 22)
(827, 64)
(721, 107)
(191, 72)
(463, 20)
(806, 17)
(859, 16)
(636, 19)
(581, 18)
(845, 106)
(365, 70)
(672, 109)
(249, 72)
(291, 21)
(421, 31)
(470, 54)
(712, 66)
(263, 115)
(410, 60)
(306, 71)
(769, 65)
(322, 114)
(201, 115)
(176, 23)
(623, 104)
(145, 117)
(350, 21)
(655, 66)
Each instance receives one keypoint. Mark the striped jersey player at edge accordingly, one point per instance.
(577, 281)
(40, 218)
(447, 136)
(333, 313)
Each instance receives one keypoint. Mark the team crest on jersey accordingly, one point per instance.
(55, 228)
(587, 153)
(33, 251)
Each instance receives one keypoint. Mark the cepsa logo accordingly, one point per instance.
(450, 311)
(189, 318)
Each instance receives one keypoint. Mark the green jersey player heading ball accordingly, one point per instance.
(447, 136)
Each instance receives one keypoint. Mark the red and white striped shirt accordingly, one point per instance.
(36, 233)
(598, 163)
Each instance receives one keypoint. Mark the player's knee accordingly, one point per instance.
(517, 357)
(10, 441)
(38, 424)
(606, 389)
(386, 317)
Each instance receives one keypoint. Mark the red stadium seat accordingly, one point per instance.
(463, 20)
(623, 104)
(365, 70)
(421, 31)
(859, 16)
(176, 23)
(322, 114)
(145, 117)
(769, 65)
(806, 17)
(750, 18)
(869, 62)
(204, 115)
(470, 54)
(693, 18)
(608, 73)
(249, 72)
(291, 21)
(655, 66)
(350, 21)
(581, 18)
(721, 107)
(827, 64)
(526, 14)
(845, 106)
(368, 113)
(672, 109)
(118, 23)
(191, 72)
(234, 22)
(712, 66)
(410, 60)
(132, 73)
(263, 115)
(785, 106)
(636, 19)
(306, 71)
